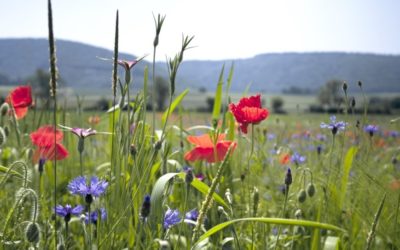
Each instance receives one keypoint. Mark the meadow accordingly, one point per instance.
(240, 177)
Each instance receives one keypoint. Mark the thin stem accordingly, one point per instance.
(284, 212)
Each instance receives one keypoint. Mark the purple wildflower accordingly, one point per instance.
(95, 188)
(67, 211)
(171, 218)
(371, 129)
(334, 126)
(297, 159)
(394, 134)
(192, 215)
(94, 216)
(81, 132)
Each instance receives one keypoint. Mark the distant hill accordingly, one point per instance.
(80, 68)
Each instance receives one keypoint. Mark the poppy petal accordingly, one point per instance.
(20, 112)
(44, 136)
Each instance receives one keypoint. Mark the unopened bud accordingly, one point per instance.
(32, 232)
(133, 150)
(288, 177)
(301, 196)
(189, 176)
(6, 130)
(353, 102)
(4, 108)
(360, 84)
(344, 86)
(157, 145)
(242, 177)
(311, 189)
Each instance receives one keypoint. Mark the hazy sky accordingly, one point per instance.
(223, 29)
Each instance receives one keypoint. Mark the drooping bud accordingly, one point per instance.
(32, 233)
(311, 189)
(4, 108)
(301, 196)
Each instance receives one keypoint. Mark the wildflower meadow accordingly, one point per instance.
(241, 177)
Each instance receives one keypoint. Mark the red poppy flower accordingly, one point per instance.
(44, 136)
(20, 98)
(49, 152)
(49, 144)
(206, 150)
(248, 111)
(284, 159)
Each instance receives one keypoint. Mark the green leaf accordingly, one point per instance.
(348, 162)
(332, 243)
(156, 198)
(290, 222)
(174, 104)
(203, 188)
(218, 96)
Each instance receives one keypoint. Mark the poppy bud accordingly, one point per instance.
(301, 196)
(6, 131)
(311, 189)
(4, 108)
(32, 232)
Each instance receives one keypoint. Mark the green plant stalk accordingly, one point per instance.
(283, 215)
(371, 234)
(207, 201)
(153, 96)
(396, 218)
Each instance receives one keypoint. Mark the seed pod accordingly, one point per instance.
(311, 189)
(302, 195)
(61, 246)
(32, 233)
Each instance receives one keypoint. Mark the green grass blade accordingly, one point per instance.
(218, 96)
(156, 198)
(174, 104)
(348, 162)
(289, 222)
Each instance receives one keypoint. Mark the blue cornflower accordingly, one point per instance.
(94, 216)
(297, 159)
(95, 188)
(192, 215)
(145, 211)
(371, 129)
(171, 218)
(68, 211)
(394, 134)
(334, 126)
